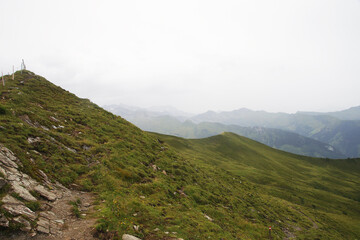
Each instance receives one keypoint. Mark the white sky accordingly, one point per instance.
(195, 55)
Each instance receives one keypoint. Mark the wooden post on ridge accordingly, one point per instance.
(23, 63)
(2, 77)
(13, 75)
(23, 66)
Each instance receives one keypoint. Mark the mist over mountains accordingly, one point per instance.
(330, 135)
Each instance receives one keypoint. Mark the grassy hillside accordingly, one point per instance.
(327, 189)
(169, 191)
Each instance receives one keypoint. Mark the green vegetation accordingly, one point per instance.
(224, 187)
(34, 205)
(327, 189)
(75, 207)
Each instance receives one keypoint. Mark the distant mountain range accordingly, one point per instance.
(348, 114)
(342, 134)
(305, 134)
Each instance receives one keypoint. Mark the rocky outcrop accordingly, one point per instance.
(21, 186)
(19, 182)
(16, 207)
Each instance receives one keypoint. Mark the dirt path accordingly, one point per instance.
(73, 228)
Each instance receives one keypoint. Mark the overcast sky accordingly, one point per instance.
(194, 55)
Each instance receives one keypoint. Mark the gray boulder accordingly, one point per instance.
(129, 237)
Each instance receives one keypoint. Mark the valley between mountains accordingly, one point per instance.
(70, 169)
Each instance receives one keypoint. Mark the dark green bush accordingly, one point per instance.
(2, 110)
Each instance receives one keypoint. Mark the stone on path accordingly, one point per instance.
(129, 237)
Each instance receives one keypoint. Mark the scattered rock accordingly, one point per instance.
(154, 167)
(142, 197)
(164, 172)
(33, 140)
(59, 221)
(45, 128)
(181, 192)
(86, 205)
(156, 229)
(54, 119)
(209, 218)
(43, 176)
(71, 149)
(136, 227)
(86, 148)
(129, 237)
(48, 215)
(45, 193)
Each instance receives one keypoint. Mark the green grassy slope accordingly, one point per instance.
(329, 190)
(142, 181)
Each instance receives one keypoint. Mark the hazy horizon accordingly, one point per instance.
(276, 56)
(163, 108)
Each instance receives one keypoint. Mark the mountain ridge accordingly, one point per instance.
(149, 189)
(276, 138)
